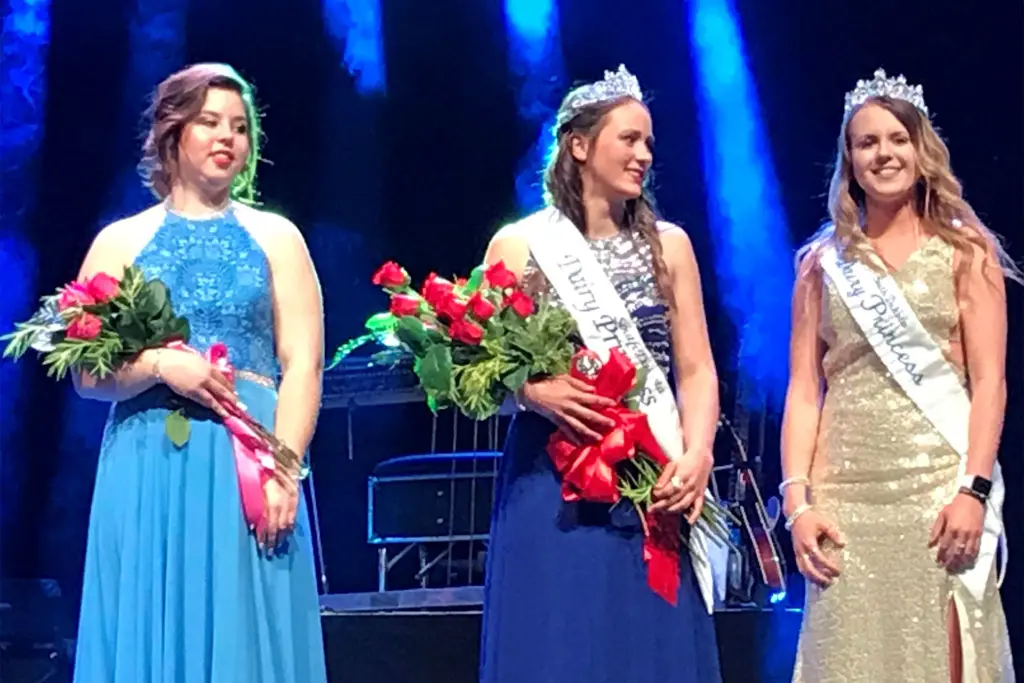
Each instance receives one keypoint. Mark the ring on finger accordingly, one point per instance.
(676, 482)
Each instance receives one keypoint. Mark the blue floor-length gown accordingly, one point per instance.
(175, 588)
(566, 594)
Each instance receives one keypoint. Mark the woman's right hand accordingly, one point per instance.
(571, 404)
(193, 377)
(809, 531)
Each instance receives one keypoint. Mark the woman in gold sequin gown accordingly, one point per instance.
(879, 525)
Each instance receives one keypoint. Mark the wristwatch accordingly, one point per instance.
(975, 486)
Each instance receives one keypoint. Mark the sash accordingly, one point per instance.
(562, 254)
(917, 364)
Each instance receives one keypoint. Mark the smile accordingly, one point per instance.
(887, 172)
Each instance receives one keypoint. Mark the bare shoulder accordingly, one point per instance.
(117, 244)
(510, 234)
(673, 236)
(676, 247)
(276, 234)
(510, 246)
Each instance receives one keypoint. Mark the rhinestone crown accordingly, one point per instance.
(881, 86)
(614, 85)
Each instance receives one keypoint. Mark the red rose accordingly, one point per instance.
(391, 276)
(481, 308)
(102, 287)
(86, 326)
(450, 307)
(466, 332)
(520, 303)
(435, 289)
(403, 305)
(75, 294)
(499, 276)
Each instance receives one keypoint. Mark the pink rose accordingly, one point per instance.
(75, 294)
(102, 287)
(86, 326)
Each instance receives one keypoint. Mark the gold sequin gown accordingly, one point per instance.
(882, 473)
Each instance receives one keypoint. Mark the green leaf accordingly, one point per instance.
(177, 427)
(517, 378)
(381, 323)
(476, 278)
(410, 331)
(132, 330)
(159, 297)
(435, 369)
(437, 403)
(348, 347)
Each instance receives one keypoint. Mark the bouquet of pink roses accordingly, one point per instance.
(98, 324)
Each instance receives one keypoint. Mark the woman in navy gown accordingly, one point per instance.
(177, 589)
(566, 597)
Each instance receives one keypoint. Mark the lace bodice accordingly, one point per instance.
(219, 279)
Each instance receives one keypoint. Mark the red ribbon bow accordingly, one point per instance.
(588, 471)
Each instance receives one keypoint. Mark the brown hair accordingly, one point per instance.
(176, 102)
(938, 195)
(563, 184)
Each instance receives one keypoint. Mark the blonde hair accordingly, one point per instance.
(938, 197)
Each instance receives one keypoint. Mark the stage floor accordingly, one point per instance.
(433, 636)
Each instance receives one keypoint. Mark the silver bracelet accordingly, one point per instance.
(791, 481)
(800, 509)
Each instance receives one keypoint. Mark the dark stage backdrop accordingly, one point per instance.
(426, 172)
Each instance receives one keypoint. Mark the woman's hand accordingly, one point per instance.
(957, 533)
(681, 486)
(809, 530)
(571, 404)
(281, 503)
(193, 377)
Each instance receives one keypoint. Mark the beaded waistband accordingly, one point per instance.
(250, 376)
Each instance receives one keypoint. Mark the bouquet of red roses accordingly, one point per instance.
(474, 340)
(479, 339)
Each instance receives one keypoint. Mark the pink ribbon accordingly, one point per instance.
(254, 462)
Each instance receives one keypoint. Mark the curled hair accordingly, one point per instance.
(563, 185)
(938, 196)
(176, 102)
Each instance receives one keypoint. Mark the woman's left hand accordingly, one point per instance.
(682, 484)
(957, 533)
(281, 502)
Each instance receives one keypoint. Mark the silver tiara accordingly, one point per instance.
(614, 85)
(880, 86)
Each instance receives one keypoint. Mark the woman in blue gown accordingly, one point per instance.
(566, 595)
(177, 588)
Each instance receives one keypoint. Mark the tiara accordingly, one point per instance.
(614, 85)
(880, 86)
